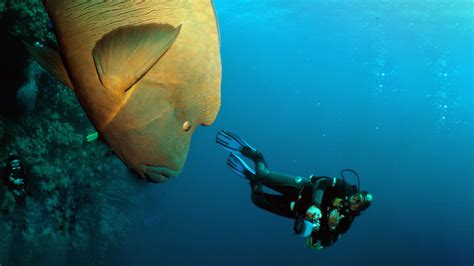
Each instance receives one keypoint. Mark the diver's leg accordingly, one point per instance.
(283, 183)
(277, 204)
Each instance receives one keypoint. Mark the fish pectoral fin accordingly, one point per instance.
(124, 55)
(51, 61)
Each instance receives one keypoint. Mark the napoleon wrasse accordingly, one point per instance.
(147, 73)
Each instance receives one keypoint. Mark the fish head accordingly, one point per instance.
(152, 131)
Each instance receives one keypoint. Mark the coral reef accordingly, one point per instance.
(78, 191)
(30, 19)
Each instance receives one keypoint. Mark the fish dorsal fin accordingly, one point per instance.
(124, 55)
(51, 61)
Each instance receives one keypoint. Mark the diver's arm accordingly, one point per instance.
(18, 181)
(334, 218)
(336, 233)
(15, 181)
(270, 178)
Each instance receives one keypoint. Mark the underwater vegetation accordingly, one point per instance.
(75, 203)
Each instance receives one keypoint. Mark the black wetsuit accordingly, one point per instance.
(8, 174)
(302, 192)
(325, 192)
(289, 186)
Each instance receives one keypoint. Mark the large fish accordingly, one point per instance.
(147, 73)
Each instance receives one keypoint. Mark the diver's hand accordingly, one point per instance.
(334, 218)
(18, 181)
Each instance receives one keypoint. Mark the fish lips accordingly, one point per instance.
(157, 174)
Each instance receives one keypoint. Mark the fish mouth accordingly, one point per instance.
(156, 174)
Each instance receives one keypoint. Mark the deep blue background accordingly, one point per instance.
(383, 87)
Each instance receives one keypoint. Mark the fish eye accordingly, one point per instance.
(187, 126)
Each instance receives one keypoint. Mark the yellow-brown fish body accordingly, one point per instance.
(145, 101)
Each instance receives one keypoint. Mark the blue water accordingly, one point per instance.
(382, 87)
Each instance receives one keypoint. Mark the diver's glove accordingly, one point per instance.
(334, 218)
(18, 181)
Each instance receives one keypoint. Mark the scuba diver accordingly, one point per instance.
(323, 207)
(14, 177)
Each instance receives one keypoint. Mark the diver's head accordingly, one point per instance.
(360, 201)
(13, 162)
